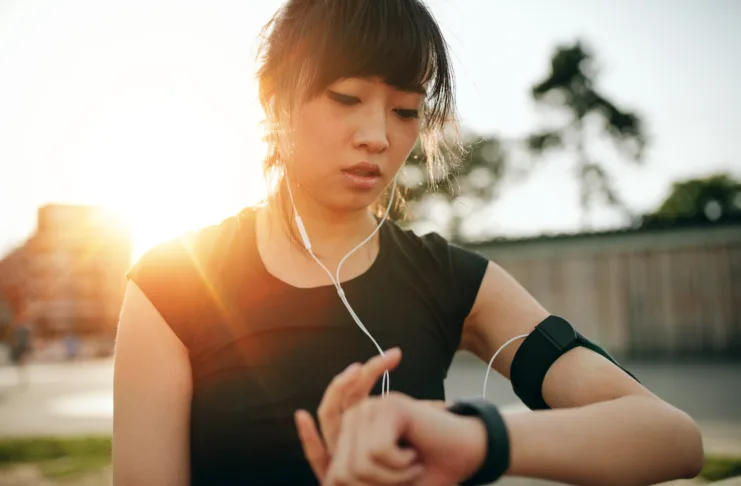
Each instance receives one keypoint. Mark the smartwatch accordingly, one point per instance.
(497, 456)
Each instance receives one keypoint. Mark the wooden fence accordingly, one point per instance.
(662, 292)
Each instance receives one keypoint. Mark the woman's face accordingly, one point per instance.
(349, 142)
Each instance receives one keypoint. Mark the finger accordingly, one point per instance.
(377, 474)
(376, 439)
(370, 373)
(395, 457)
(314, 449)
(330, 408)
(340, 470)
(384, 438)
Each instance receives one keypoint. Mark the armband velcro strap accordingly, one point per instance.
(541, 348)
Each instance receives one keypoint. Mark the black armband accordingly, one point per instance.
(541, 348)
(497, 440)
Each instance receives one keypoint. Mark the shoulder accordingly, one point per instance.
(458, 269)
(182, 276)
(203, 249)
(428, 246)
(432, 247)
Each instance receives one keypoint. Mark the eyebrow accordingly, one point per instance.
(408, 89)
(416, 90)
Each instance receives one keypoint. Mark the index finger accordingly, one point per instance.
(371, 372)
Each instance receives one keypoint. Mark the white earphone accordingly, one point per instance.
(385, 384)
(488, 368)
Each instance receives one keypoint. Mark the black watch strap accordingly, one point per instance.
(497, 440)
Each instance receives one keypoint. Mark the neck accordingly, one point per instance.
(331, 232)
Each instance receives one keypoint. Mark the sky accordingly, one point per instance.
(150, 106)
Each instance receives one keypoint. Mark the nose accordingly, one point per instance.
(372, 130)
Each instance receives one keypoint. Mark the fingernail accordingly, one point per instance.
(351, 368)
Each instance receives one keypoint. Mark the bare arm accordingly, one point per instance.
(151, 392)
(614, 430)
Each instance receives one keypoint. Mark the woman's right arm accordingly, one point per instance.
(152, 390)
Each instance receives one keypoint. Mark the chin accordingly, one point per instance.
(351, 203)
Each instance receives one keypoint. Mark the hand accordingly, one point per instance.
(344, 391)
(443, 448)
(349, 388)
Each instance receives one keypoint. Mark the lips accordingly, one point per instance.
(363, 176)
(364, 169)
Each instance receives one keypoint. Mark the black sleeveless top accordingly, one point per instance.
(261, 349)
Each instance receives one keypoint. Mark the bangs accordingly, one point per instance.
(394, 40)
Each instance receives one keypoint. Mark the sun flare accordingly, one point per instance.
(177, 199)
(144, 114)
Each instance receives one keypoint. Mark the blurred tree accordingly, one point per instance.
(466, 189)
(570, 90)
(711, 199)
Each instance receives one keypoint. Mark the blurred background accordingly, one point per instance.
(603, 172)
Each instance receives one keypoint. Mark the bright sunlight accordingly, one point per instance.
(154, 116)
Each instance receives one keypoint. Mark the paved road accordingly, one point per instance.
(76, 398)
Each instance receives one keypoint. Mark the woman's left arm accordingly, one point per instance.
(603, 427)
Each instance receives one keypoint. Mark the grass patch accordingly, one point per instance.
(67, 468)
(58, 458)
(63, 458)
(717, 468)
(48, 448)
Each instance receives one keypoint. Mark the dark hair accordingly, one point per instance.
(309, 44)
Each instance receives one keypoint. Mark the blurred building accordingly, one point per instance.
(644, 292)
(69, 275)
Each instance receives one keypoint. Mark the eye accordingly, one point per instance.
(407, 114)
(343, 99)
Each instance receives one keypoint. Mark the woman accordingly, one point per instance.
(225, 332)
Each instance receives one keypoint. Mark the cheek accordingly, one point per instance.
(315, 138)
(403, 142)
